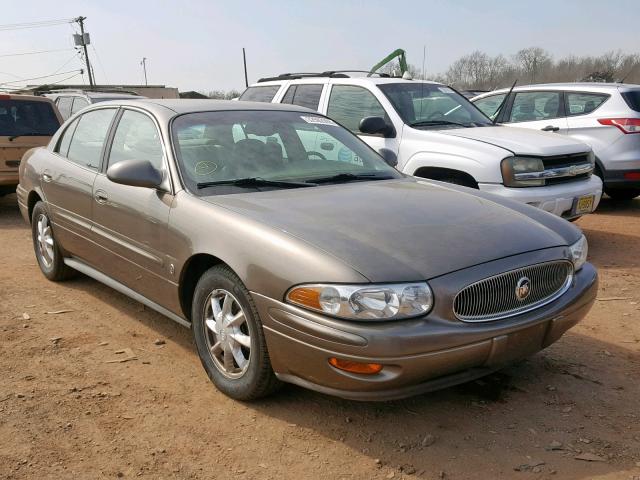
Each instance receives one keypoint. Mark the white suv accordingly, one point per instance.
(432, 131)
(603, 115)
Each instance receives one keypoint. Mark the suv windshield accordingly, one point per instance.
(632, 97)
(27, 118)
(265, 149)
(432, 106)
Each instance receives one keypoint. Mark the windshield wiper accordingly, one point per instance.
(350, 177)
(426, 123)
(255, 182)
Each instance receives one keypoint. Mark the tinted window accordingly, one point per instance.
(136, 138)
(78, 104)
(349, 104)
(65, 139)
(532, 106)
(272, 145)
(489, 105)
(633, 99)
(88, 139)
(304, 95)
(25, 117)
(260, 94)
(432, 106)
(64, 106)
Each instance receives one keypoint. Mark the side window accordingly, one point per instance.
(490, 105)
(89, 137)
(136, 138)
(304, 96)
(349, 104)
(64, 106)
(583, 103)
(260, 94)
(532, 106)
(65, 140)
(78, 104)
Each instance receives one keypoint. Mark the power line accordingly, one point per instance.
(34, 53)
(38, 78)
(44, 23)
(43, 84)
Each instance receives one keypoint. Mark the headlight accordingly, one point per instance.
(579, 253)
(365, 302)
(511, 166)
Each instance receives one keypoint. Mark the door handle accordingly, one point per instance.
(550, 128)
(101, 197)
(46, 177)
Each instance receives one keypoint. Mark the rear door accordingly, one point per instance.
(583, 125)
(130, 223)
(68, 177)
(540, 110)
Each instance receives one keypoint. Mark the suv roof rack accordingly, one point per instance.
(88, 90)
(328, 73)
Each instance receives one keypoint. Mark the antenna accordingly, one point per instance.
(424, 59)
(244, 60)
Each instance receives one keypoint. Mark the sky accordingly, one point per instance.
(197, 44)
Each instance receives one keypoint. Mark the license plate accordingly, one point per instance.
(584, 204)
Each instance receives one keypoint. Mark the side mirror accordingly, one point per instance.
(135, 173)
(375, 125)
(389, 156)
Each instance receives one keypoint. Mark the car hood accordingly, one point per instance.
(399, 230)
(522, 141)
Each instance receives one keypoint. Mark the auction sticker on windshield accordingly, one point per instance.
(318, 120)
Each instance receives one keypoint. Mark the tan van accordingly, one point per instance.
(25, 122)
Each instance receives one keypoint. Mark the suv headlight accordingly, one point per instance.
(511, 166)
(579, 253)
(365, 302)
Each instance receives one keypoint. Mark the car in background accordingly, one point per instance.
(429, 130)
(603, 115)
(72, 101)
(340, 275)
(25, 122)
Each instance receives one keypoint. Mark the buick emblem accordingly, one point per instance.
(523, 288)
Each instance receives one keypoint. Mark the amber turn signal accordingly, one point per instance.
(355, 367)
(308, 297)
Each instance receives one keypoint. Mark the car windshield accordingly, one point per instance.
(230, 151)
(27, 118)
(432, 106)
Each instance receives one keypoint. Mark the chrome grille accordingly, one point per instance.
(495, 297)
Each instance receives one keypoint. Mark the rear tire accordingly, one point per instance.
(48, 254)
(623, 194)
(229, 337)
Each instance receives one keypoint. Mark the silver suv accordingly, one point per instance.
(603, 115)
(72, 101)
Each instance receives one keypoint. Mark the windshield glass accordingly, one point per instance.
(269, 145)
(27, 117)
(432, 106)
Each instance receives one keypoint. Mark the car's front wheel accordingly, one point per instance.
(45, 246)
(229, 336)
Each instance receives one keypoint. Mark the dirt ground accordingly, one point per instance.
(570, 412)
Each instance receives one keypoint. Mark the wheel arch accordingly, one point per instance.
(440, 173)
(191, 272)
(33, 198)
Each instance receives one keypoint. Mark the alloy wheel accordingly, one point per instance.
(45, 241)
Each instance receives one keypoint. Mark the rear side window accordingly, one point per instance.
(304, 96)
(78, 104)
(533, 106)
(349, 104)
(65, 140)
(583, 103)
(64, 106)
(89, 137)
(260, 94)
(27, 118)
(633, 99)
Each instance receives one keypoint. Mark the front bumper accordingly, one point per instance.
(557, 199)
(419, 355)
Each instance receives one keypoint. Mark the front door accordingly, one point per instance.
(130, 223)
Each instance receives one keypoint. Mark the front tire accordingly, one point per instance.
(45, 246)
(229, 337)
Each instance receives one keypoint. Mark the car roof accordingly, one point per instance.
(570, 86)
(14, 96)
(345, 80)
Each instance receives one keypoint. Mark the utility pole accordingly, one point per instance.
(144, 67)
(244, 59)
(84, 41)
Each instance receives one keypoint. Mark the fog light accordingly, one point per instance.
(355, 367)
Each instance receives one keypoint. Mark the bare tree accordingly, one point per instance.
(533, 60)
